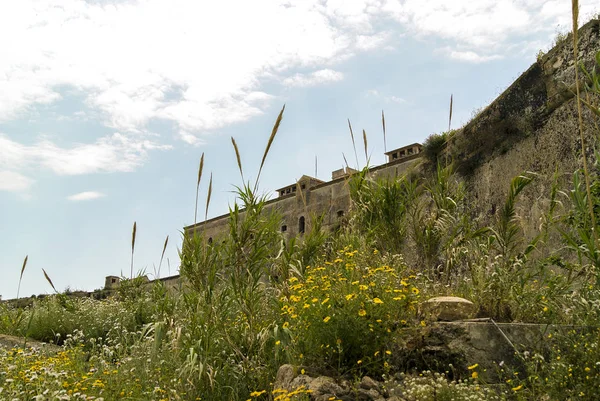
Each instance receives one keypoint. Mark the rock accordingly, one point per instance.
(285, 375)
(448, 309)
(323, 387)
(368, 395)
(367, 383)
(301, 380)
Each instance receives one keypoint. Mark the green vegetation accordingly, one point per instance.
(337, 304)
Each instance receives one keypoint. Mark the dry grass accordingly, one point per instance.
(200, 168)
(50, 281)
(383, 125)
(238, 158)
(133, 233)
(208, 197)
(269, 143)
(21, 276)
(353, 143)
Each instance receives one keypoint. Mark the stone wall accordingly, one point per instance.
(532, 126)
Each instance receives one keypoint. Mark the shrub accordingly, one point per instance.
(342, 315)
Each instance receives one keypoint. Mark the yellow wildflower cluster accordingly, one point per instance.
(344, 304)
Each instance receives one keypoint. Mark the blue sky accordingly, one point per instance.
(106, 107)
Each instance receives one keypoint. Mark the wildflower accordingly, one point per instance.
(328, 318)
(325, 301)
(257, 393)
(277, 342)
(362, 312)
(377, 301)
(473, 366)
(519, 387)
(474, 375)
(286, 325)
(415, 290)
(359, 362)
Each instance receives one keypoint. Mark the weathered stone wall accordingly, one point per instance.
(532, 126)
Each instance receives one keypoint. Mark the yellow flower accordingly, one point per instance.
(362, 312)
(286, 325)
(415, 290)
(277, 342)
(328, 318)
(519, 387)
(377, 301)
(423, 323)
(359, 362)
(325, 301)
(474, 375)
(349, 297)
(473, 366)
(362, 287)
(388, 352)
(257, 393)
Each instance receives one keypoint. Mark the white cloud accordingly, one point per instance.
(14, 182)
(374, 93)
(83, 196)
(196, 63)
(472, 57)
(314, 78)
(108, 154)
(202, 64)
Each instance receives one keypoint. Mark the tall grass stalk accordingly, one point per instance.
(208, 197)
(237, 157)
(269, 143)
(133, 232)
(353, 143)
(21, 276)
(575, 14)
(198, 186)
(450, 116)
(366, 147)
(163, 252)
(383, 125)
(50, 281)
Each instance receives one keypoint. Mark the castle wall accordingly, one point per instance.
(532, 126)
(330, 199)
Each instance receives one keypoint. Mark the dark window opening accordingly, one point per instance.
(303, 186)
(340, 213)
(293, 189)
(210, 240)
(282, 192)
(283, 228)
(114, 280)
(402, 153)
(410, 151)
(287, 191)
(301, 225)
(394, 156)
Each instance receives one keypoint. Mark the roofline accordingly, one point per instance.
(323, 184)
(403, 147)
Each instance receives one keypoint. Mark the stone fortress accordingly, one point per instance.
(531, 126)
(309, 196)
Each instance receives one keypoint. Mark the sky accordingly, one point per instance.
(107, 105)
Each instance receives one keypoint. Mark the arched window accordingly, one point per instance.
(301, 225)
